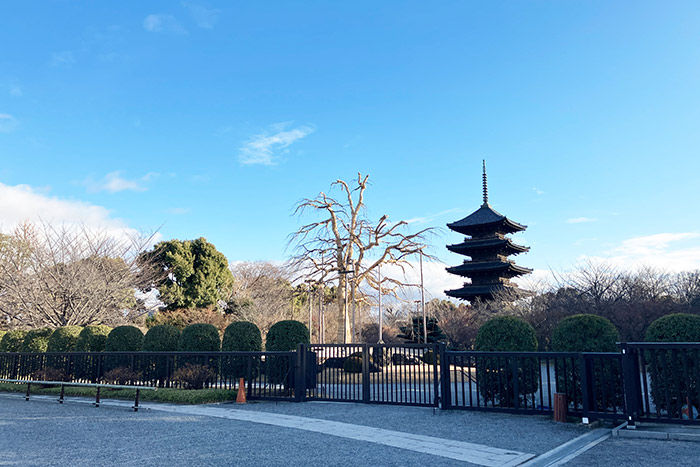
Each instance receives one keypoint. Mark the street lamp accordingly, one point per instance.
(311, 328)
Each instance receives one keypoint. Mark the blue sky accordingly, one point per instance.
(213, 119)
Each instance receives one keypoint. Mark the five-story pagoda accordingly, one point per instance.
(486, 244)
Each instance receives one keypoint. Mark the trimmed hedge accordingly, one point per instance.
(495, 375)
(92, 338)
(241, 336)
(37, 340)
(199, 338)
(667, 389)
(64, 339)
(122, 339)
(585, 333)
(588, 333)
(284, 336)
(162, 338)
(12, 341)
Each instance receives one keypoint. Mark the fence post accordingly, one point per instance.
(445, 398)
(586, 388)
(365, 374)
(300, 374)
(516, 382)
(630, 382)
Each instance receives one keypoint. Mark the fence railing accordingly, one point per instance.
(268, 375)
(645, 381)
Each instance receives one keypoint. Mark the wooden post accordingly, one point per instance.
(560, 406)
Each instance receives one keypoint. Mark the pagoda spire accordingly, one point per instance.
(485, 185)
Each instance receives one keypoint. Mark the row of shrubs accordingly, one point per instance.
(238, 336)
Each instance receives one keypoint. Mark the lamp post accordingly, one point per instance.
(311, 327)
(379, 272)
(422, 300)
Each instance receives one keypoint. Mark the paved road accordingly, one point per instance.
(42, 432)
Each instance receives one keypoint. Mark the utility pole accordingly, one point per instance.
(352, 297)
(311, 327)
(379, 271)
(422, 300)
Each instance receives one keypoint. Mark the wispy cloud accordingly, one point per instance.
(8, 123)
(580, 220)
(203, 17)
(113, 182)
(265, 148)
(63, 58)
(179, 211)
(163, 23)
(537, 190)
(431, 217)
(666, 251)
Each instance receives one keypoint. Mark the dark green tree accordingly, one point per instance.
(197, 273)
(414, 332)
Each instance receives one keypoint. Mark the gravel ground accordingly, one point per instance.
(622, 452)
(44, 433)
(525, 433)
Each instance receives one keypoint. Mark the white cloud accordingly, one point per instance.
(264, 148)
(64, 58)
(16, 91)
(431, 217)
(203, 17)
(537, 190)
(671, 252)
(8, 123)
(163, 23)
(113, 182)
(22, 203)
(580, 220)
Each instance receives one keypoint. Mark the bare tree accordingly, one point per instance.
(71, 276)
(348, 247)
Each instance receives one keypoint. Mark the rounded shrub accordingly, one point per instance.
(37, 340)
(64, 339)
(495, 374)
(162, 338)
(123, 339)
(241, 336)
(199, 337)
(92, 338)
(283, 337)
(353, 363)
(585, 333)
(677, 327)
(588, 333)
(12, 340)
(666, 389)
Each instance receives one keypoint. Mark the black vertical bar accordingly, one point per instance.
(686, 372)
(584, 385)
(299, 374)
(365, 373)
(445, 384)
(60, 396)
(136, 401)
(516, 386)
(29, 386)
(674, 365)
(97, 397)
(645, 389)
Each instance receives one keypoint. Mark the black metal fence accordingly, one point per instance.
(645, 381)
(268, 375)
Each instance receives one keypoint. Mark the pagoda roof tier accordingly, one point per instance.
(470, 292)
(485, 218)
(503, 268)
(494, 243)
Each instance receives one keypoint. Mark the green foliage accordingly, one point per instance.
(678, 327)
(495, 374)
(2, 334)
(585, 333)
(284, 336)
(414, 332)
(353, 363)
(198, 274)
(64, 339)
(37, 340)
(241, 336)
(122, 339)
(12, 341)
(588, 333)
(162, 338)
(668, 390)
(92, 338)
(200, 338)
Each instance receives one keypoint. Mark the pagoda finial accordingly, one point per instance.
(486, 188)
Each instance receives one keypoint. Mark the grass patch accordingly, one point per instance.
(175, 396)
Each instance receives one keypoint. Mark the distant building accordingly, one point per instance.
(486, 244)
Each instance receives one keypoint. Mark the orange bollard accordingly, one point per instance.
(240, 399)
